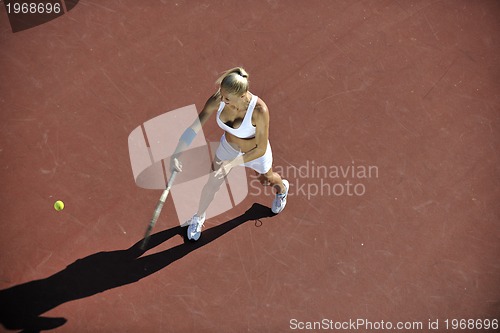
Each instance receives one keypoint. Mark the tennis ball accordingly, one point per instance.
(59, 205)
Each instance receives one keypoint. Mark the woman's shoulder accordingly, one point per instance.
(214, 99)
(213, 102)
(261, 106)
(260, 112)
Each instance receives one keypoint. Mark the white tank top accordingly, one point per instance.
(246, 129)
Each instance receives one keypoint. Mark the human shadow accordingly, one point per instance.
(22, 305)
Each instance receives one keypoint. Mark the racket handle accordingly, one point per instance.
(171, 180)
(159, 207)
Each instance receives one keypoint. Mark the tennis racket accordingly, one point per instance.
(158, 209)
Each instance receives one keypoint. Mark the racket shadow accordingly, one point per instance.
(23, 305)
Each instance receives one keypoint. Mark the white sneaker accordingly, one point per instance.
(279, 201)
(195, 225)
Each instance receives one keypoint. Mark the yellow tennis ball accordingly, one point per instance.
(59, 205)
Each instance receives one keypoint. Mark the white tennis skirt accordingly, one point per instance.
(262, 164)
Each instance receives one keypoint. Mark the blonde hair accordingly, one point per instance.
(235, 81)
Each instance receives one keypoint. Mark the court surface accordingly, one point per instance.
(384, 118)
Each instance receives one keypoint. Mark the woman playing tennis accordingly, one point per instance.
(244, 117)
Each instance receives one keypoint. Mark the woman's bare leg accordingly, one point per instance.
(274, 179)
(210, 189)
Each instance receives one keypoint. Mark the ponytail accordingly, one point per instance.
(234, 80)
